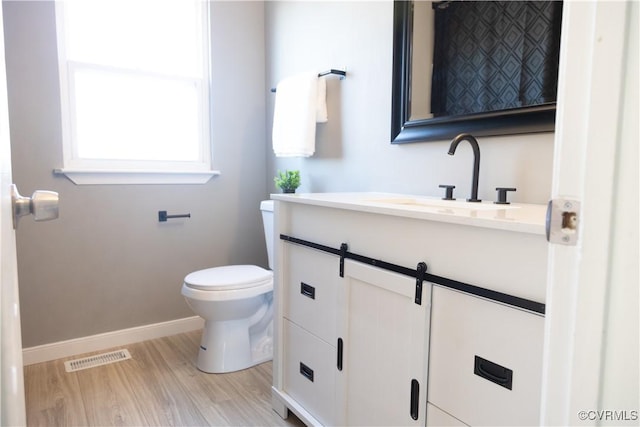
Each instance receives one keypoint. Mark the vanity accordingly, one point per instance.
(402, 310)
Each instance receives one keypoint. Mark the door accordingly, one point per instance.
(382, 360)
(12, 409)
(44, 205)
(584, 279)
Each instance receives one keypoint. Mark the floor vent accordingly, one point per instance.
(96, 360)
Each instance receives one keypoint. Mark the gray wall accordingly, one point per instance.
(107, 264)
(353, 152)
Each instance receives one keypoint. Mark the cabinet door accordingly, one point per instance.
(485, 361)
(384, 337)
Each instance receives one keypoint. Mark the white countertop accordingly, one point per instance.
(524, 218)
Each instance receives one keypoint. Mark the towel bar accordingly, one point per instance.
(341, 73)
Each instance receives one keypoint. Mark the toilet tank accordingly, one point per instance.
(266, 206)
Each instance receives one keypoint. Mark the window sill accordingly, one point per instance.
(93, 177)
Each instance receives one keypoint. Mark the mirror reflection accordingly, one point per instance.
(475, 60)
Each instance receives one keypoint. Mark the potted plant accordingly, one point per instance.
(288, 180)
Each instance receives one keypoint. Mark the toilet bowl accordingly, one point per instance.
(236, 302)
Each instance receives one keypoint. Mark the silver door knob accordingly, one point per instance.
(43, 205)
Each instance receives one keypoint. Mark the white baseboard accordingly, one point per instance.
(57, 350)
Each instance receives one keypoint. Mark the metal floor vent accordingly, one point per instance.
(97, 360)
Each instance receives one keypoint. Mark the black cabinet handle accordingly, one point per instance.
(307, 290)
(415, 399)
(340, 350)
(493, 372)
(306, 371)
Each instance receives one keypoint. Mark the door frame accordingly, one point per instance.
(587, 136)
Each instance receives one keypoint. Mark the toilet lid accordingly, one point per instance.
(228, 277)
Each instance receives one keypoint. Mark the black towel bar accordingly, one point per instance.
(341, 73)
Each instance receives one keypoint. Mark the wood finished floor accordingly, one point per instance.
(158, 386)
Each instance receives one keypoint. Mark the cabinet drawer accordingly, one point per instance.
(485, 364)
(438, 418)
(310, 290)
(309, 372)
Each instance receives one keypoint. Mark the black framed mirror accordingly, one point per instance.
(534, 114)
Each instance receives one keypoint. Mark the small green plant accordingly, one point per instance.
(288, 181)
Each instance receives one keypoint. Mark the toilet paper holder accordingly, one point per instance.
(163, 217)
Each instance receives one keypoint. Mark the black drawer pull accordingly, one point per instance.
(307, 290)
(306, 371)
(415, 399)
(493, 372)
(340, 350)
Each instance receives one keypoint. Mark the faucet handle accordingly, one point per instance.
(448, 192)
(502, 195)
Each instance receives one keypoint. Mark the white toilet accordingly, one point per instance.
(236, 302)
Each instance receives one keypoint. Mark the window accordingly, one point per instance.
(134, 78)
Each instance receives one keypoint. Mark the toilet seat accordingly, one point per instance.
(228, 277)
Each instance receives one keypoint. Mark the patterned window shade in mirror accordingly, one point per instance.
(496, 55)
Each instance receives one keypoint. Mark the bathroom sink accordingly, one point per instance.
(440, 204)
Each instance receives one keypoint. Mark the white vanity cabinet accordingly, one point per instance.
(364, 337)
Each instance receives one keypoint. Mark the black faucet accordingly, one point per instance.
(476, 161)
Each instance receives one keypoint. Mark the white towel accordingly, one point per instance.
(321, 106)
(300, 103)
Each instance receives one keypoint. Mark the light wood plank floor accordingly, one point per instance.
(158, 386)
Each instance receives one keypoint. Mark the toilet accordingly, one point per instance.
(236, 302)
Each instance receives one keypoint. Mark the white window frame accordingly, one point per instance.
(104, 171)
